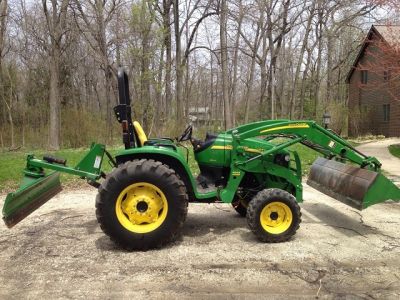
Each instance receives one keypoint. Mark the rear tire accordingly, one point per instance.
(142, 205)
(273, 215)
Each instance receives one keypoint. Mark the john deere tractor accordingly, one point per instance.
(143, 202)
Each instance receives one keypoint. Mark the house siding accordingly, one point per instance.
(366, 113)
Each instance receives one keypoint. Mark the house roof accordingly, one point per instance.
(390, 34)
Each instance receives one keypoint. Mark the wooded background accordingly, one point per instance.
(244, 60)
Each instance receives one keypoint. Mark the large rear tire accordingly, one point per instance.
(142, 205)
(273, 215)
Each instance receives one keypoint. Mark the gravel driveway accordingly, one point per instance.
(338, 252)
(379, 149)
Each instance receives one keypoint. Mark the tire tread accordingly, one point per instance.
(125, 171)
(257, 204)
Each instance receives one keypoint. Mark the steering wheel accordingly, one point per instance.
(186, 135)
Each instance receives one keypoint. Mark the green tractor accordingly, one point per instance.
(143, 202)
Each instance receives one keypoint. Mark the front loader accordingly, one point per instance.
(143, 202)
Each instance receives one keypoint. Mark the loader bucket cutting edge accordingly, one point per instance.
(32, 194)
(356, 187)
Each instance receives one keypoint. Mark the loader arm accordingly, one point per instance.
(358, 187)
(309, 134)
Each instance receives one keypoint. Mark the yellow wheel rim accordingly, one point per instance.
(141, 207)
(276, 217)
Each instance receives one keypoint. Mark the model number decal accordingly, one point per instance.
(97, 162)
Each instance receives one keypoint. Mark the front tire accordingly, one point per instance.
(142, 205)
(273, 215)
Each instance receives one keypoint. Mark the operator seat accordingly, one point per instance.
(141, 135)
(199, 145)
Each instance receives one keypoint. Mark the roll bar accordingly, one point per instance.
(123, 111)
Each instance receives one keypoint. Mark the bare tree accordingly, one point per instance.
(224, 64)
(166, 26)
(6, 97)
(3, 19)
(96, 16)
(304, 45)
(258, 60)
(3, 22)
(56, 21)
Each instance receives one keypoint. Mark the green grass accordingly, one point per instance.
(307, 156)
(395, 150)
(13, 163)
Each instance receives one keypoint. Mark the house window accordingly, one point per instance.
(387, 75)
(386, 112)
(364, 76)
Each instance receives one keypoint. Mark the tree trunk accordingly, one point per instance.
(249, 87)
(233, 95)
(303, 84)
(54, 118)
(158, 115)
(213, 107)
(224, 65)
(319, 61)
(178, 65)
(300, 61)
(264, 77)
(329, 48)
(274, 52)
(3, 15)
(187, 70)
(168, 55)
(3, 19)
(102, 41)
(56, 24)
(145, 67)
(252, 68)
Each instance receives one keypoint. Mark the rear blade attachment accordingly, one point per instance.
(356, 187)
(33, 193)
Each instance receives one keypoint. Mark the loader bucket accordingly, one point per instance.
(33, 193)
(356, 187)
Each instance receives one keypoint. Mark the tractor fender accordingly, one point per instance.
(169, 157)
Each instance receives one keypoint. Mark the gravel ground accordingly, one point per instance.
(60, 252)
(379, 149)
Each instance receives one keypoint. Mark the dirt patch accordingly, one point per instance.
(60, 252)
